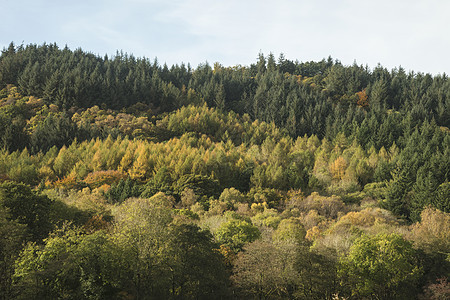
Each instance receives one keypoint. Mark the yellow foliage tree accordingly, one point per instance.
(338, 168)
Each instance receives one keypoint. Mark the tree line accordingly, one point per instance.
(120, 178)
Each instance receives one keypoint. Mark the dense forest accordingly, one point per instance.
(124, 179)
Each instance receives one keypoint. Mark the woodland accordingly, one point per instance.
(121, 178)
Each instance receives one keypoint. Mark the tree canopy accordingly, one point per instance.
(124, 179)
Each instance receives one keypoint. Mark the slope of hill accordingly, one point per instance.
(120, 178)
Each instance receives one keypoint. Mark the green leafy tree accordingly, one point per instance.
(236, 233)
(27, 207)
(316, 273)
(381, 267)
(48, 271)
(192, 264)
(12, 235)
(71, 265)
(258, 271)
(140, 231)
(290, 230)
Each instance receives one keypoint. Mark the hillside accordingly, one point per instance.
(121, 178)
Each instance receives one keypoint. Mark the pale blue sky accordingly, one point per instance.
(410, 33)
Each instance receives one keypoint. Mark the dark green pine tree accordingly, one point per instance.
(261, 64)
(424, 192)
(442, 197)
(271, 63)
(397, 192)
(10, 65)
(12, 132)
(378, 94)
(285, 65)
(51, 87)
(30, 82)
(219, 99)
(55, 130)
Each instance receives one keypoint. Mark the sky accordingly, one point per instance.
(413, 34)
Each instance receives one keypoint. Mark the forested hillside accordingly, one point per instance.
(124, 179)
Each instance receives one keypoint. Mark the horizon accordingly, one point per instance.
(407, 34)
(211, 64)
